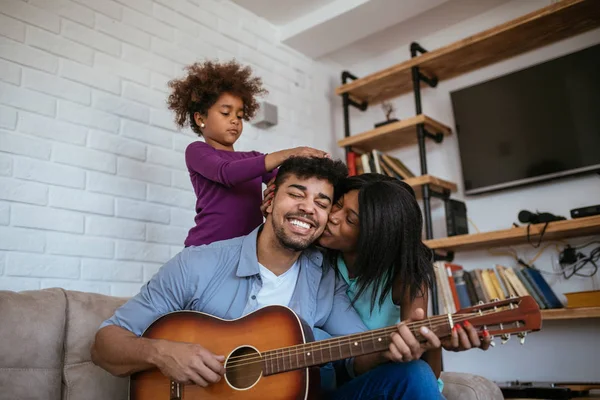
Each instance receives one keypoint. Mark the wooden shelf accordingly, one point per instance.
(394, 135)
(515, 236)
(550, 24)
(571, 313)
(437, 184)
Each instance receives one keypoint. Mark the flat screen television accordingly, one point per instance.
(536, 124)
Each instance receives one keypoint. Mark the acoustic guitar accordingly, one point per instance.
(269, 354)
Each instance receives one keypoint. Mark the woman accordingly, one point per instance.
(373, 239)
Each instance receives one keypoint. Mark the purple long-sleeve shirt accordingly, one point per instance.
(228, 191)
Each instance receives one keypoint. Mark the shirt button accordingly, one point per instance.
(253, 297)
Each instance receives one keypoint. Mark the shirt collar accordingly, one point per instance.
(343, 270)
(248, 265)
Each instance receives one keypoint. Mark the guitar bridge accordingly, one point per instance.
(175, 391)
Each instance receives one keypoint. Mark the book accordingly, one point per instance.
(496, 283)
(467, 276)
(366, 164)
(461, 288)
(482, 292)
(589, 298)
(397, 166)
(545, 290)
(376, 161)
(488, 285)
(508, 287)
(451, 269)
(533, 291)
(351, 162)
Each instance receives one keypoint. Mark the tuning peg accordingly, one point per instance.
(505, 337)
(522, 336)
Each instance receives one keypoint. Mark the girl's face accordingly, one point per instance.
(342, 228)
(223, 122)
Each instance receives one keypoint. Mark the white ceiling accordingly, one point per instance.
(280, 12)
(350, 31)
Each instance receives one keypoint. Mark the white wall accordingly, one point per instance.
(94, 195)
(564, 350)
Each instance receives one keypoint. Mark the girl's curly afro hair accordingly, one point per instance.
(203, 85)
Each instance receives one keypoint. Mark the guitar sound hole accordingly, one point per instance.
(243, 368)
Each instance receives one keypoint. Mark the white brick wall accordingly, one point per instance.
(94, 194)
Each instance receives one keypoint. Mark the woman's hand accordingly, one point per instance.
(466, 337)
(405, 346)
(268, 194)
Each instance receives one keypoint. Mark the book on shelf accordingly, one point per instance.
(377, 162)
(458, 288)
(588, 298)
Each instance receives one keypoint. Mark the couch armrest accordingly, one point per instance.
(463, 386)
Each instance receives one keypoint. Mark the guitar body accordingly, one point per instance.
(269, 328)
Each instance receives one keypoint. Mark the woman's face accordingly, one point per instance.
(342, 228)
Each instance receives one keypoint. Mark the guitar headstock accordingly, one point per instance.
(516, 315)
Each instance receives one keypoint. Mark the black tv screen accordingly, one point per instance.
(536, 124)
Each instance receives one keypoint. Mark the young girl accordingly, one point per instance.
(215, 99)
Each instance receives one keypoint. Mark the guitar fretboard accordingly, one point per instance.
(324, 351)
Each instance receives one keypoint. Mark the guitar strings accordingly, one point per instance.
(271, 355)
(288, 351)
(258, 361)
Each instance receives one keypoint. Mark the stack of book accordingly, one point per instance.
(457, 288)
(377, 162)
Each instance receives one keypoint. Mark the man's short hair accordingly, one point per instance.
(322, 168)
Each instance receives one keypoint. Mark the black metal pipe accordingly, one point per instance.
(347, 75)
(346, 106)
(445, 195)
(416, 48)
(436, 137)
(430, 81)
(448, 257)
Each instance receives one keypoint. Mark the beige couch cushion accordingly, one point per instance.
(469, 387)
(32, 326)
(83, 379)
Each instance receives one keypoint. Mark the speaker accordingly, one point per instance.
(266, 116)
(456, 218)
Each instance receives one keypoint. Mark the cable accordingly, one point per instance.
(541, 235)
(573, 262)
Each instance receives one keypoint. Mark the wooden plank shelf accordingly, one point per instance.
(437, 184)
(550, 24)
(515, 236)
(394, 135)
(571, 313)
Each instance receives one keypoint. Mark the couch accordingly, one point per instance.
(45, 339)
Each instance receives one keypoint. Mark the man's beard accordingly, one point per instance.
(291, 243)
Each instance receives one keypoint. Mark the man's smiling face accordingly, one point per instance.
(299, 211)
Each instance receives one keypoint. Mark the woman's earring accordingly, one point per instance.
(202, 125)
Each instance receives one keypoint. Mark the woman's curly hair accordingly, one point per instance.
(203, 85)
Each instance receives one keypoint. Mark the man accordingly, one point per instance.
(273, 265)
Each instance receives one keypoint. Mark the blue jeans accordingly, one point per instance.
(409, 381)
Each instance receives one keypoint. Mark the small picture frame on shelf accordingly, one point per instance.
(388, 109)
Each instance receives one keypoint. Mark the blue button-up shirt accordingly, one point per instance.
(222, 279)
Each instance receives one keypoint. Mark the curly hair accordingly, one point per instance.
(327, 169)
(203, 85)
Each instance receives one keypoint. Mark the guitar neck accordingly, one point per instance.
(322, 352)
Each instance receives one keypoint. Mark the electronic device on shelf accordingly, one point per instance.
(585, 211)
(456, 218)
